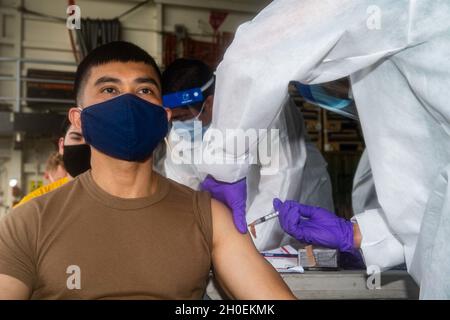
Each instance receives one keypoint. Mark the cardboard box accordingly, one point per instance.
(311, 257)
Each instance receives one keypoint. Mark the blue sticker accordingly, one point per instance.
(182, 98)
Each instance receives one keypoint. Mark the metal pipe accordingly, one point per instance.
(38, 100)
(27, 79)
(48, 100)
(26, 60)
(18, 87)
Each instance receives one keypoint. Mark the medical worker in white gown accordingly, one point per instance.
(397, 56)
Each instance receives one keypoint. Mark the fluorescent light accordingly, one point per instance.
(13, 183)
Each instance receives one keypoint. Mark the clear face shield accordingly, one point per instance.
(188, 113)
(335, 96)
(185, 105)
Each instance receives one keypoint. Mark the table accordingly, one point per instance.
(395, 284)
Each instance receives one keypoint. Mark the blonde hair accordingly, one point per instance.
(53, 162)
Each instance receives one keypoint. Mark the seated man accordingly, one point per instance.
(121, 230)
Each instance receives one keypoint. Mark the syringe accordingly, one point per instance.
(265, 218)
(261, 220)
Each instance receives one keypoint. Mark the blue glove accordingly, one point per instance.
(234, 195)
(315, 225)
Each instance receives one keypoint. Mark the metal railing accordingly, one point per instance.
(20, 80)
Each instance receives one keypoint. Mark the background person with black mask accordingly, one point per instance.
(76, 156)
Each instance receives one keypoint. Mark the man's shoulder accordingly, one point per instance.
(44, 190)
(182, 193)
(58, 191)
(199, 201)
(180, 188)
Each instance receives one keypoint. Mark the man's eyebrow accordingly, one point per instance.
(106, 79)
(76, 133)
(147, 80)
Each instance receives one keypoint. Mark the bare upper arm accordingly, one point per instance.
(18, 236)
(13, 289)
(238, 266)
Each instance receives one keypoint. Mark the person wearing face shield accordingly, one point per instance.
(76, 157)
(396, 55)
(191, 118)
(302, 172)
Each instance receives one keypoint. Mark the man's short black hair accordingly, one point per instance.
(184, 74)
(116, 51)
(65, 125)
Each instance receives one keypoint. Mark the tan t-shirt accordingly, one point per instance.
(79, 242)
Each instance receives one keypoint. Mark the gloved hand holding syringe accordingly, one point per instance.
(312, 225)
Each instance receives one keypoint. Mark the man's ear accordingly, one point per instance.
(75, 117)
(61, 145)
(169, 114)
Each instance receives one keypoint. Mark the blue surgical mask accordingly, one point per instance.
(189, 127)
(126, 127)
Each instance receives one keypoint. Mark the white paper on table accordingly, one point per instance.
(284, 264)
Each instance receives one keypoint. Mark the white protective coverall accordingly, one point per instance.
(364, 195)
(397, 56)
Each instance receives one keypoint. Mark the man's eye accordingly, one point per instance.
(75, 137)
(109, 90)
(145, 91)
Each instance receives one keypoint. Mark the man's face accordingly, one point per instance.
(116, 78)
(110, 80)
(185, 113)
(113, 79)
(73, 137)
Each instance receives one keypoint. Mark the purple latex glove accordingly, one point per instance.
(315, 225)
(352, 260)
(234, 195)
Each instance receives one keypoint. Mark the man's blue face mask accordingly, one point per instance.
(125, 127)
